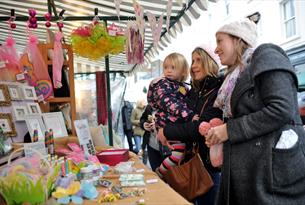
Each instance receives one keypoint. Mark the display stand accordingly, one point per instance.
(68, 65)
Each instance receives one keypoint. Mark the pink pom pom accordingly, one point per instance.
(215, 122)
(33, 39)
(204, 128)
(10, 41)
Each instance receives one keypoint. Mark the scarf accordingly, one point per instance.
(225, 92)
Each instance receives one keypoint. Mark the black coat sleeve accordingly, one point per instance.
(144, 116)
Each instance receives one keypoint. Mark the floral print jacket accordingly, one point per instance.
(166, 97)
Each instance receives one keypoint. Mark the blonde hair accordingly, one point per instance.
(207, 63)
(239, 47)
(180, 63)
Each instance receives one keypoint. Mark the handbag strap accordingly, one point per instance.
(206, 101)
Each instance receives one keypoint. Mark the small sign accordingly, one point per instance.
(2, 64)
(20, 77)
(84, 136)
(38, 146)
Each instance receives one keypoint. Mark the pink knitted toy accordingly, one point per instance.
(216, 154)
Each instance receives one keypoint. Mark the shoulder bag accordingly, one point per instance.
(190, 178)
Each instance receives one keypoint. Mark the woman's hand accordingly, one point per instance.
(216, 135)
(161, 137)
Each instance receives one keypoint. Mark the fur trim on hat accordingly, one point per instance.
(210, 51)
(244, 29)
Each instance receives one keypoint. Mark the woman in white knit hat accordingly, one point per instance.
(264, 142)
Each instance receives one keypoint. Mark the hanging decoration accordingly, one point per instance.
(155, 28)
(32, 23)
(134, 44)
(48, 18)
(139, 17)
(58, 54)
(35, 68)
(94, 42)
(117, 7)
(9, 59)
(168, 13)
(58, 60)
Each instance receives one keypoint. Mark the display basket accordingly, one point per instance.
(27, 180)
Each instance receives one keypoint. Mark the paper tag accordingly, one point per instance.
(40, 98)
(20, 77)
(38, 146)
(151, 181)
(2, 64)
(112, 33)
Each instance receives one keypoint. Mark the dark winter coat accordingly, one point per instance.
(126, 115)
(189, 132)
(264, 103)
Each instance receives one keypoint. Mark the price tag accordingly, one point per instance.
(2, 64)
(38, 146)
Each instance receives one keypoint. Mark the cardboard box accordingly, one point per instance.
(113, 156)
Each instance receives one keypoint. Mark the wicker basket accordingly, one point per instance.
(7, 188)
(17, 145)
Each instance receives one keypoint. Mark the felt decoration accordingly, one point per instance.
(9, 59)
(156, 29)
(94, 42)
(134, 44)
(58, 60)
(168, 13)
(37, 74)
(139, 17)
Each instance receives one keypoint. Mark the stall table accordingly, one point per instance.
(156, 193)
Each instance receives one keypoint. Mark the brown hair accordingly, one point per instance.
(180, 64)
(208, 64)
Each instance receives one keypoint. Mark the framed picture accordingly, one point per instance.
(55, 121)
(14, 91)
(29, 92)
(7, 125)
(20, 111)
(4, 96)
(34, 122)
(33, 108)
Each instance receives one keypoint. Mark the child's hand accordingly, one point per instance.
(149, 126)
(195, 118)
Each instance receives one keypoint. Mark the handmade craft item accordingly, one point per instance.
(58, 60)
(9, 59)
(134, 44)
(94, 42)
(216, 153)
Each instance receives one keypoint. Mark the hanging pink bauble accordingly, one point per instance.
(32, 12)
(13, 25)
(33, 20)
(48, 16)
(35, 25)
(48, 24)
(60, 24)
